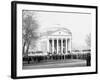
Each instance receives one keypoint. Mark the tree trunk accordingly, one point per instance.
(27, 48)
(24, 48)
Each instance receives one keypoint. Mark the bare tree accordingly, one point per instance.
(88, 40)
(29, 27)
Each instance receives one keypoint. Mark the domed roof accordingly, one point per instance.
(55, 29)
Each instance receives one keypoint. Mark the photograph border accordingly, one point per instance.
(14, 38)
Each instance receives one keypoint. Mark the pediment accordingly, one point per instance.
(61, 32)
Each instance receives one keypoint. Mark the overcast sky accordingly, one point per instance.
(78, 24)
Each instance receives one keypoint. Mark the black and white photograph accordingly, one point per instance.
(55, 39)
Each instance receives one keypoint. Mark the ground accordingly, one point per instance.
(56, 64)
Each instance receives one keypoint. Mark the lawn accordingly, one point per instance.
(56, 64)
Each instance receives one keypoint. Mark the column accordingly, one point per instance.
(48, 46)
(70, 45)
(52, 45)
(62, 46)
(66, 46)
(57, 46)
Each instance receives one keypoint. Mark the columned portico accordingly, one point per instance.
(59, 45)
(59, 42)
